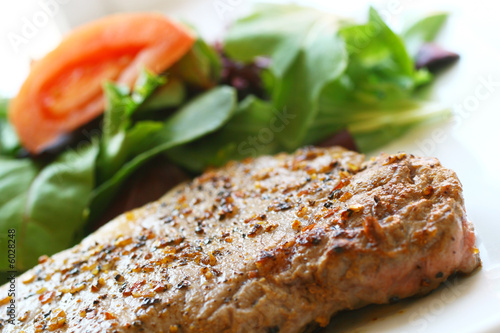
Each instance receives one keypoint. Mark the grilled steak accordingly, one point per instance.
(275, 244)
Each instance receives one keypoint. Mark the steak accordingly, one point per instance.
(273, 244)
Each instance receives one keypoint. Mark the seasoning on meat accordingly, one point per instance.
(275, 244)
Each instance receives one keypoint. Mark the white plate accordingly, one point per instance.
(468, 145)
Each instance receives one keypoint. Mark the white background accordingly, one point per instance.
(469, 144)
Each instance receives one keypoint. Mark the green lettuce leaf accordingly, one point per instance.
(377, 97)
(47, 206)
(250, 132)
(380, 70)
(120, 107)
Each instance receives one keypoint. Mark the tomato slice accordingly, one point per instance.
(63, 90)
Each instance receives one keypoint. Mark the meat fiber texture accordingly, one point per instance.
(275, 244)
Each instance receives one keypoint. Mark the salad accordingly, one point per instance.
(118, 92)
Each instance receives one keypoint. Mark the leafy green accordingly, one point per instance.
(423, 31)
(9, 142)
(375, 126)
(376, 98)
(16, 177)
(204, 114)
(121, 105)
(385, 126)
(329, 73)
(378, 61)
(3, 107)
(200, 67)
(306, 54)
(332, 74)
(169, 95)
(249, 133)
(45, 205)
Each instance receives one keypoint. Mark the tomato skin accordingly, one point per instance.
(64, 89)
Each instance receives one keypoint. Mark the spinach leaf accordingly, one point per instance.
(121, 105)
(275, 31)
(16, 177)
(298, 92)
(204, 114)
(250, 132)
(46, 206)
(169, 95)
(379, 67)
(423, 31)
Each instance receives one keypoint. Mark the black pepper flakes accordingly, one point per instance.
(256, 229)
(282, 206)
(184, 284)
(346, 214)
(335, 194)
(147, 302)
(167, 219)
(108, 248)
(267, 255)
(138, 245)
(123, 287)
